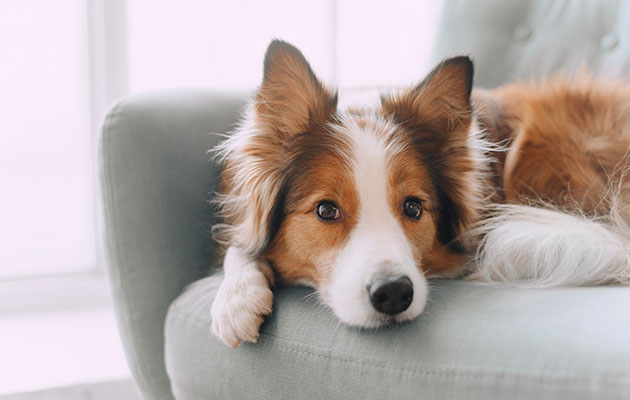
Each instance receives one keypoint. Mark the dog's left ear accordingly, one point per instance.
(437, 115)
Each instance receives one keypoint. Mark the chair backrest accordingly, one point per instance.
(519, 39)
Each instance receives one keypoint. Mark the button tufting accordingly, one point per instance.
(609, 41)
(522, 33)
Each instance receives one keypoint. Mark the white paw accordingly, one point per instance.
(241, 303)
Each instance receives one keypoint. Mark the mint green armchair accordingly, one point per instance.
(472, 341)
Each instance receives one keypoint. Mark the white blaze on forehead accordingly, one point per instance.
(373, 149)
(371, 170)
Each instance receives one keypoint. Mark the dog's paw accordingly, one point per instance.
(239, 308)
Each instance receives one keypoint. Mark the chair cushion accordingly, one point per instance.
(473, 341)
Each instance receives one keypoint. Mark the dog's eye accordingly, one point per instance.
(327, 210)
(413, 208)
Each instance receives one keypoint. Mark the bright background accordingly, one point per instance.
(63, 63)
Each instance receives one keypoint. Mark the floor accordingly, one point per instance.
(114, 390)
(70, 342)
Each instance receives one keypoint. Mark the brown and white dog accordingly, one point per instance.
(365, 204)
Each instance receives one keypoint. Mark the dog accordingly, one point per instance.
(521, 184)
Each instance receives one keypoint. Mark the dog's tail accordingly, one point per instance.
(543, 247)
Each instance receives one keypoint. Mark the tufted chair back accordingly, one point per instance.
(519, 39)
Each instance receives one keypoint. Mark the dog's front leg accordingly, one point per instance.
(243, 299)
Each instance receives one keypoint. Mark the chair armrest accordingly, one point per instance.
(156, 180)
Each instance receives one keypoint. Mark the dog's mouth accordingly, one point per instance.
(380, 320)
(387, 321)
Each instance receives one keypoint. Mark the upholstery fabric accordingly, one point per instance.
(524, 39)
(156, 177)
(472, 342)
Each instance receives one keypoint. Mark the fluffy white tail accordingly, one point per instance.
(537, 247)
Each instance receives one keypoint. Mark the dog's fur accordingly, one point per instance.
(477, 163)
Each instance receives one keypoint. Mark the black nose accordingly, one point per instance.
(391, 295)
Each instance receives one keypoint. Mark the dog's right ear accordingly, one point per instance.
(291, 97)
(290, 101)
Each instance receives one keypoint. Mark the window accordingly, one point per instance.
(46, 162)
(351, 43)
(221, 44)
(66, 61)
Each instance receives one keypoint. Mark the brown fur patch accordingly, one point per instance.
(318, 169)
(409, 177)
(568, 139)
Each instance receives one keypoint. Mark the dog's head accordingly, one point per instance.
(360, 204)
